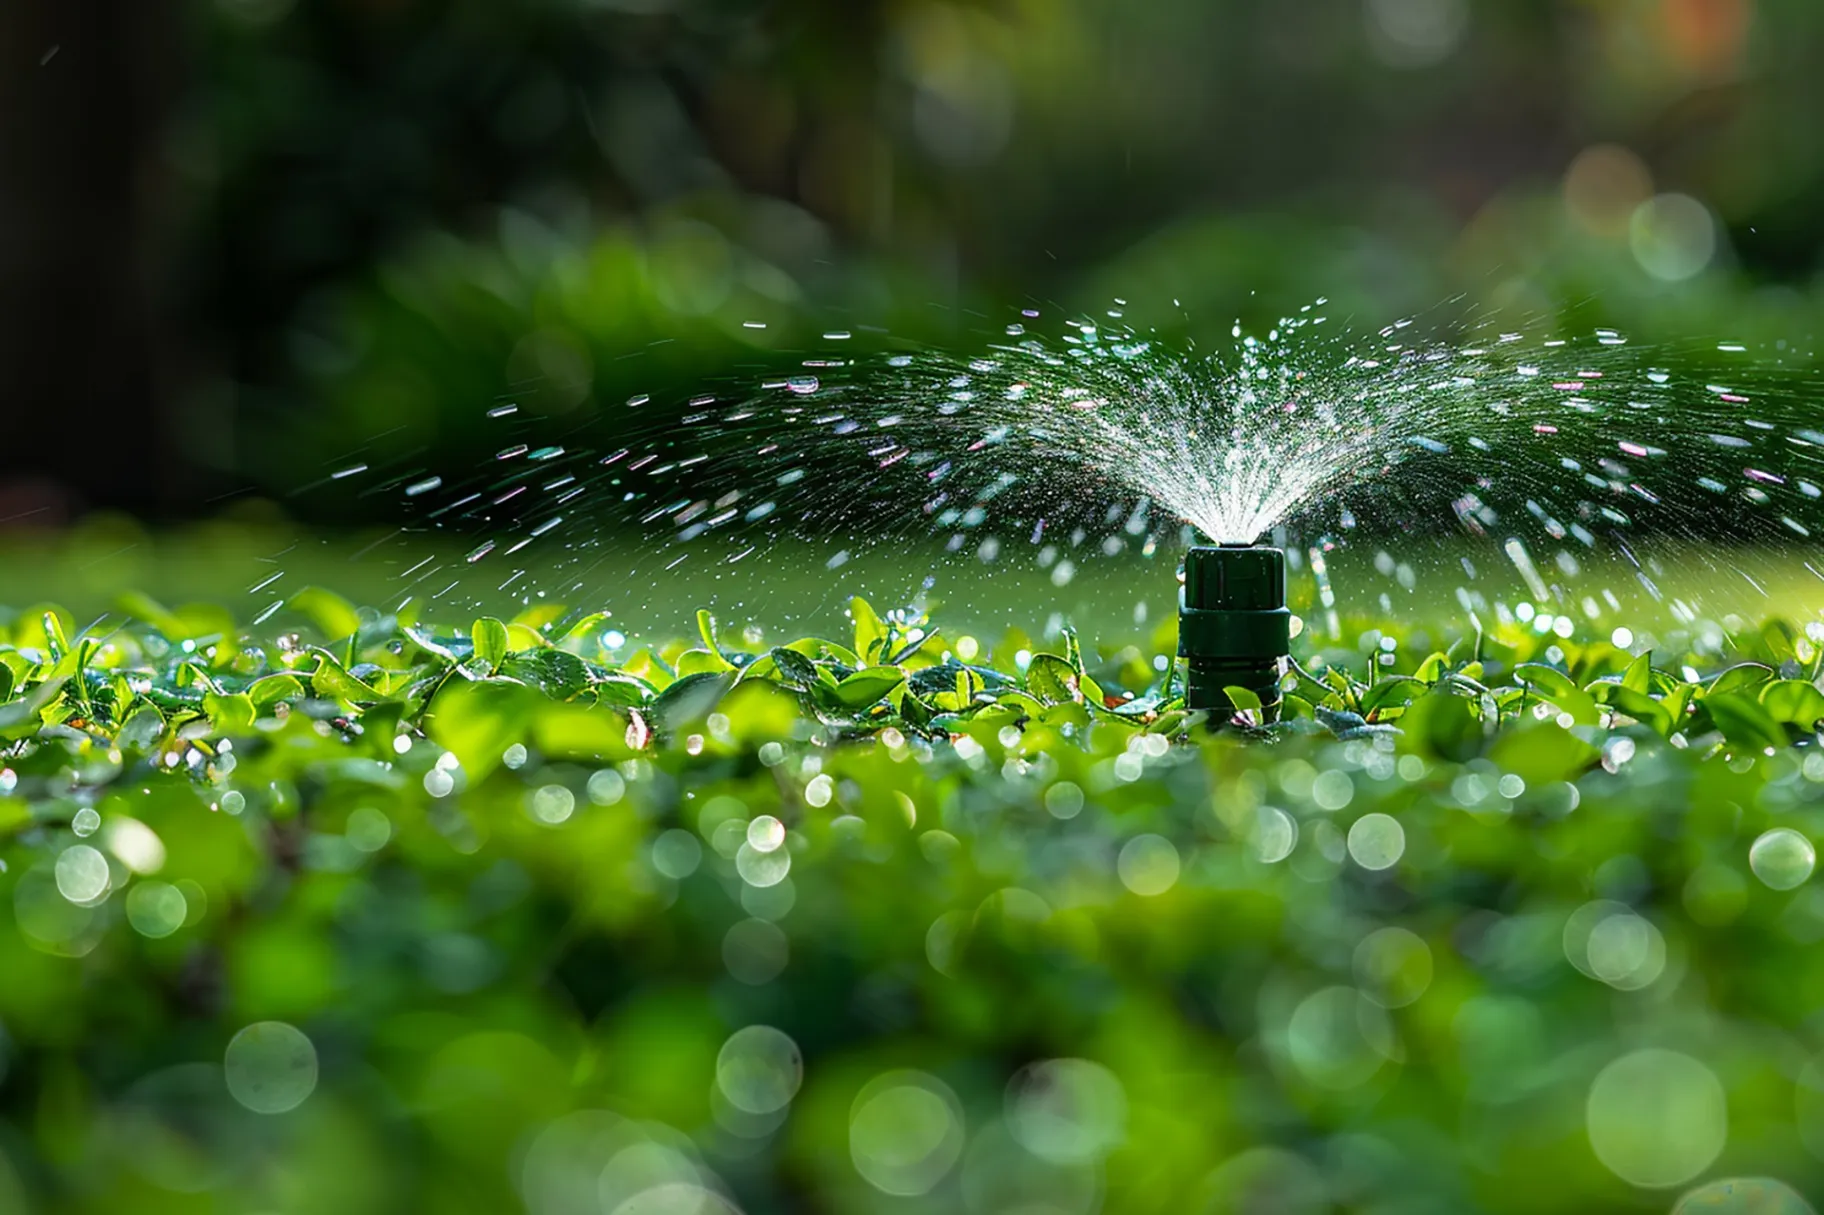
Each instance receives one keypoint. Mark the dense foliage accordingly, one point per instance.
(1497, 919)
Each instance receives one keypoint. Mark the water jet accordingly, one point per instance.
(1234, 629)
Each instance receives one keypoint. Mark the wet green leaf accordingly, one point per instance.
(489, 638)
(870, 631)
(1549, 683)
(1743, 720)
(556, 673)
(477, 720)
(689, 700)
(332, 681)
(1053, 680)
(1737, 678)
(1243, 699)
(231, 714)
(869, 686)
(1793, 701)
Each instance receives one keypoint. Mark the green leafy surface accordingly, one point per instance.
(1038, 938)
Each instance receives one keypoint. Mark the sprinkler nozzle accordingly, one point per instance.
(1234, 629)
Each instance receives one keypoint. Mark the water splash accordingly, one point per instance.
(1103, 438)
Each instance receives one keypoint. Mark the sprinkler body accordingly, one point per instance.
(1234, 629)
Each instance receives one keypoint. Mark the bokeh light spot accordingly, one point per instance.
(1067, 1110)
(270, 1067)
(1656, 1117)
(156, 909)
(1743, 1196)
(905, 1132)
(1673, 236)
(1377, 841)
(1394, 966)
(1148, 865)
(759, 1069)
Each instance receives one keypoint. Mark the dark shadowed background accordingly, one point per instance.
(244, 240)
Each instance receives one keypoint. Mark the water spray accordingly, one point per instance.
(1234, 629)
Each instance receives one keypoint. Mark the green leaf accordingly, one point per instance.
(431, 645)
(1638, 676)
(21, 717)
(1344, 687)
(1391, 690)
(55, 636)
(1443, 724)
(1736, 678)
(1641, 708)
(1554, 685)
(332, 680)
(230, 714)
(489, 637)
(333, 616)
(477, 720)
(925, 637)
(144, 726)
(818, 648)
(699, 662)
(622, 690)
(1053, 680)
(195, 675)
(953, 687)
(557, 673)
(269, 690)
(870, 631)
(869, 686)
(1540, 752)
(706, 629)
(1245, 700)
(379, 727)
(690, 699)
(579, 731)
(582, 634)
(1794, 701)
(795, 670)
(1743, 721)
(1677, 701)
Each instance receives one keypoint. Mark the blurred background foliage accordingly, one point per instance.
(350, 226)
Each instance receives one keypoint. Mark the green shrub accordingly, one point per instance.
(401, 919)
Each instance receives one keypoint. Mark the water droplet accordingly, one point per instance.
(765, 833)
(1782, 858)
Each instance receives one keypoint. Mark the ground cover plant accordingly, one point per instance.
(352, 912)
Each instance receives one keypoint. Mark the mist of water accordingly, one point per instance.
(1101, 437)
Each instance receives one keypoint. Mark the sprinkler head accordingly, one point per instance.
(1234, 629)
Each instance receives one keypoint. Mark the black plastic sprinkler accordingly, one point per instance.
(1234, 629)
